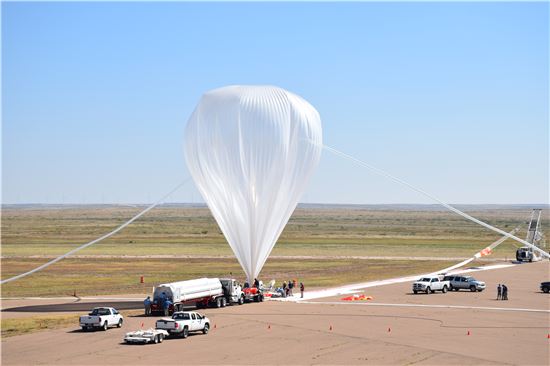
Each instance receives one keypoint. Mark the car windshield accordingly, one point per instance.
(424, 279)
(100, 312)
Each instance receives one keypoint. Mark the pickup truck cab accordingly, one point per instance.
(545, 287)
(430, 285)
(101, 318)
(184, 322)
(465, 283)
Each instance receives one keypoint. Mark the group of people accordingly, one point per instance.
(502, 292)
(287, 289)
(162, 300)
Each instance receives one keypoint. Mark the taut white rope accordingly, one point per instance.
(98, 239)
(451, 208)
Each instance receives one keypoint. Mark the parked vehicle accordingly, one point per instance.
(430, 284)
(464, 283)
(184, 322)
(253, 294)
(526, 254)
(146, 336)
(101, 318)
(545, 287)
(202, 292)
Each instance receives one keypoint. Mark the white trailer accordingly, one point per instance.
(201, 292)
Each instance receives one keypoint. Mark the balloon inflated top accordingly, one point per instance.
(251, 151)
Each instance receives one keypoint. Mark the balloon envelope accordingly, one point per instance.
(251, 151)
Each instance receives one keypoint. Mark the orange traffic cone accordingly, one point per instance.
(269, 326)
(548, 336)
(389, 330)
(330, 328)
(468, 332)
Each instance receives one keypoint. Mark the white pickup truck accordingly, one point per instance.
(183, 322)
(430, 284)
(101, 318)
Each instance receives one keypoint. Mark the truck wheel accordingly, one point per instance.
(261, 297)
(241, 300)
(119, 323)
(206, 328)
(545, 290)
(444, 289)
(415, 292)
(156, 339)
(428, 290)
(86, 328)
(473, 288)
(224, 302)
(218, 303)
(185, 332)
(105, 325)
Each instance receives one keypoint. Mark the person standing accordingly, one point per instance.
(504, 292)
(499, 292)
(302, 290)
(147, 305)
(167, 304)
(290, 286)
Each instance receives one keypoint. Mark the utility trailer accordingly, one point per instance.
(202, 293)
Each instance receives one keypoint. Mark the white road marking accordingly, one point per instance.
(427, 306)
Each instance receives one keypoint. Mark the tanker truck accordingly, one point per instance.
(202, 293)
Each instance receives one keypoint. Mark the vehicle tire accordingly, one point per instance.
(105, 325)
(545, 290)
(86, 328)
(456, 289)
(185, 332)
(473, 288)
(415, 292)
(161, 338)
(428, 290)
(156, 339)
(257, 298)
(451, 288)
(241, 300)
(119, 323)
(218, 303)
(224, 302)
(206, 328)
(444, 289)
(261, 297)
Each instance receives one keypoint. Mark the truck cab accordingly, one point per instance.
(232, 291)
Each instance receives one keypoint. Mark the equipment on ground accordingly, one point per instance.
(534, 236)
(146, 336)
(202, 292)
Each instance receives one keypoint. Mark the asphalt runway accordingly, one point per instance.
(456, 328)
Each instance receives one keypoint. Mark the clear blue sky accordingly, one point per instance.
(451, 97)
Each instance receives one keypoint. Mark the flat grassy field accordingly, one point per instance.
(325, 232)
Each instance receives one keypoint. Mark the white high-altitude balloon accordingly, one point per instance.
(251, 151)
